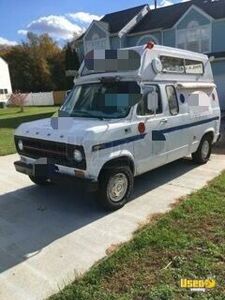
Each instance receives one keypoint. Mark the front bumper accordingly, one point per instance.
(52, 171)
(37, 170)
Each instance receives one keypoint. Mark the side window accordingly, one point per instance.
(143, 108)
(172, 99)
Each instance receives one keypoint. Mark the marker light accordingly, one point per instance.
(150, 45)
(141, 127)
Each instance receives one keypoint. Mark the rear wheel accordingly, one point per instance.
(202, 155)
(115, 187)
(39, 180)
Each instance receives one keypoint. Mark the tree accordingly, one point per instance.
(20, 62)
(57, 69)
(71, 63)
(37, 65)
(72, 59)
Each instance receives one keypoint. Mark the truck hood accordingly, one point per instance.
(66, 129)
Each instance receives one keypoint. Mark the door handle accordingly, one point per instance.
(163, 121)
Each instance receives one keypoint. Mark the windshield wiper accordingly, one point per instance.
(82, 113)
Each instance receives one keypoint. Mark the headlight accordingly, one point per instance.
(77, 155)
(20, 145)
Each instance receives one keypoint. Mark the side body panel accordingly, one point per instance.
(170, 137)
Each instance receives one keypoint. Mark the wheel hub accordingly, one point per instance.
(117, 187)
(205, 149)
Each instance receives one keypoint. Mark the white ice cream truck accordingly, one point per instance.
(130, 111)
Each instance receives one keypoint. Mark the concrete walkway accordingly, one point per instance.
(50, 234)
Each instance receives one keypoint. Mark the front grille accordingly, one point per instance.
(55, 152)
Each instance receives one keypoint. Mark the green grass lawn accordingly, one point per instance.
(11, 118)
(188, 242)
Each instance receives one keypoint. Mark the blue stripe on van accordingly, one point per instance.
(190, 124)
(118, 142)
(157, 135)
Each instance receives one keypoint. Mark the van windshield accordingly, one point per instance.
(104, 100)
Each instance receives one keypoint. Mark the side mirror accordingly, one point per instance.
(152, 101)
(67, 93)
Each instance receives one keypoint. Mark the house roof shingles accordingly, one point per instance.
(119, 19)
(166, 17)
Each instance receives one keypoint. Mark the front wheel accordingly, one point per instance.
(202, 155)
(39, 180)
(115, 187)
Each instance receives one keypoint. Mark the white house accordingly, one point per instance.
(5, 82)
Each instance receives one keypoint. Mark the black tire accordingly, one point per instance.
(198, 156)
(39, 180)
(105, 178)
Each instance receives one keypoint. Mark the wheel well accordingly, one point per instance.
(118, 162)
(210, 134)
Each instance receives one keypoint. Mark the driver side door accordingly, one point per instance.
(151, 151)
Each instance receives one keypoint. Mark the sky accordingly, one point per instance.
(61, 19)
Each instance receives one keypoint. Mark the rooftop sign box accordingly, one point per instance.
(98, 61)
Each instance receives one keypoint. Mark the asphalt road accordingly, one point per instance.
(49, 235)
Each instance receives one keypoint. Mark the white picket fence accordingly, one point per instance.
(39, 99)
(36, 99)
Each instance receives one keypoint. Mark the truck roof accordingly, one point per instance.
(169, 50)
(151, 56)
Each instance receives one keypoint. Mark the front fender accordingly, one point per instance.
(102, 157)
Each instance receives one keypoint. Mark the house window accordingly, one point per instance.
(194, 38)
(96, 44)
